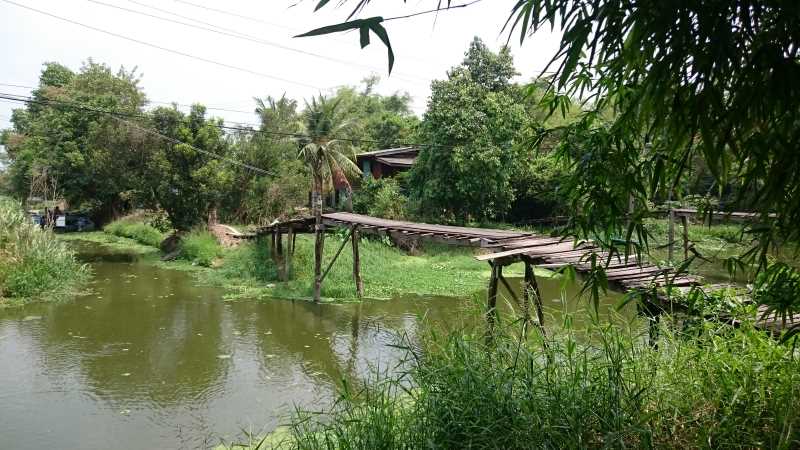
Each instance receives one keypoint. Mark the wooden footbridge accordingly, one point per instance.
(502, 248)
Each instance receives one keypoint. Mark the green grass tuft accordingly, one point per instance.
(136, 230)
(200, 247)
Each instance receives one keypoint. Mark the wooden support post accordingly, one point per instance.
(532, 288)
(491, 299)
(289, 258)
(653, 317)
(280, 262)
(685, 223)
(272, 251)
(357, 262)
(671, 234)
(319, 246)
(527, 291)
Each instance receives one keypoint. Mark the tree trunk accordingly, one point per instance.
(319, 235)
(349, 203)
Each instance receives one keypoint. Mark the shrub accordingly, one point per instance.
(136, 230)
(381, 198)
(32, 262)
(200, 247)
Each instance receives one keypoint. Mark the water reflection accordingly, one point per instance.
(150, 360)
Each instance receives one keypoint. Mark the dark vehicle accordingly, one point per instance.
(76, 222)
(37, 218)
(65, 222)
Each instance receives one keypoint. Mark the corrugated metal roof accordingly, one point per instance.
(397, 162)
(389, 151)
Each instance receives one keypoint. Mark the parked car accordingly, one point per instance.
(75, 222)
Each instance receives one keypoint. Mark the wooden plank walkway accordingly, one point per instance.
(506, 247)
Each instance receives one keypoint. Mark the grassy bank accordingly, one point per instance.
(387, 271)
(247, 271)
(709, 386)
(34, 265)
(134, 228)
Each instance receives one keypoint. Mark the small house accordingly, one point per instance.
(386, 163)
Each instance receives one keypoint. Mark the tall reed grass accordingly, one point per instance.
(33, 264)
(708, 386)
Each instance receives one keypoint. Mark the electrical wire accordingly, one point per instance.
(161, 102)
(256, 20)
(205, 152)
(165, 49)
(119, 116)
(29, 100)
(247, 37)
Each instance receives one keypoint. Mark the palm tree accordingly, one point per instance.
(329, 158)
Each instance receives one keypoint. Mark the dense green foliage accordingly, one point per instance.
(472, 166)
(706, 387)
(381, 198)
(65, 145)
(33, 264)
(690, 82)
(56, 150)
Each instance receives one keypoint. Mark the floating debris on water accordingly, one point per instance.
(29, 318)
(125, 412)
(126, 374)
(224, 356)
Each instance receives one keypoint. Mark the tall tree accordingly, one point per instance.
(329, 160)
(188, 179)
(466, 167)
(59, 135)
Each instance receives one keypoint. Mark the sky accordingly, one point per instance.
(252, 52)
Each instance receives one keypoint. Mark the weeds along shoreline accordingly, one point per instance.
(34, 265)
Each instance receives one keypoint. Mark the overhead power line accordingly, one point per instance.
(119, 116)
(248, 37)
(165, 49)
(23, 99)
(264, 22)
(158, 102)
(205, 152)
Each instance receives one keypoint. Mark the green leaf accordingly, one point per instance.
(379, 30)
(321, 4)
(364, 26)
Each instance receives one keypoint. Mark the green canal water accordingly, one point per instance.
(147, 359)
